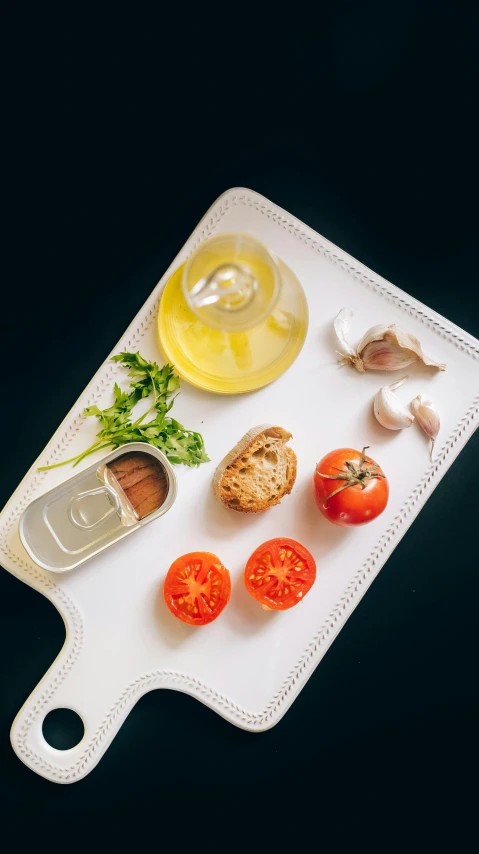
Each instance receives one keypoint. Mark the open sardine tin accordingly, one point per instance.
(109, 500)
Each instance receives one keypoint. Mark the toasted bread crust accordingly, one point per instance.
(258, 472)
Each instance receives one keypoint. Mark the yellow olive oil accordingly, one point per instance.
(226, 361)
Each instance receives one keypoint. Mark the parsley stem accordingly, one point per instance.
(142, 417)
(56, 465)
(156, 395)
(75, 460)
(91, 450)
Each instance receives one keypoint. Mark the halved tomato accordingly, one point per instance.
(197, 588)
(280, 573)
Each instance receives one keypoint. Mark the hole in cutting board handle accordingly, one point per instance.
(63, 729)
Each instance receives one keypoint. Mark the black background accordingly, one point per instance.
(121, 132)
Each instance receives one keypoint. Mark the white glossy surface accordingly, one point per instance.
(249, 665)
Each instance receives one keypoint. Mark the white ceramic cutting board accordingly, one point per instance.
(249, 665)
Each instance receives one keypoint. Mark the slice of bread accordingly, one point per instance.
(258, 472)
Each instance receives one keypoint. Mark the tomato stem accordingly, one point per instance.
(355, 476)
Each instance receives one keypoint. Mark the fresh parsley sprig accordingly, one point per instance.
(117, 425)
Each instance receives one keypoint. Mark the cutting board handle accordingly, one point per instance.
(73, 682)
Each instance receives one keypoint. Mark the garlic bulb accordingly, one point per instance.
(427, 417)
(383, 348)
(389, 410)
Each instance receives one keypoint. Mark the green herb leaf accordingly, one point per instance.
(179, 445)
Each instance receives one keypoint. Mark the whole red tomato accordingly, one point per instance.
(350, 488)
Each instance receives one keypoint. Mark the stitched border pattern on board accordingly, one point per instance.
(331, 626)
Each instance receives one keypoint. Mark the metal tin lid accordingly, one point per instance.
(97, 507)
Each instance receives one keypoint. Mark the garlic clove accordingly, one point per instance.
(389, 410)
(383, 348)
(427, 416)
(389, 348)
(384, 354)
(342, 327)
